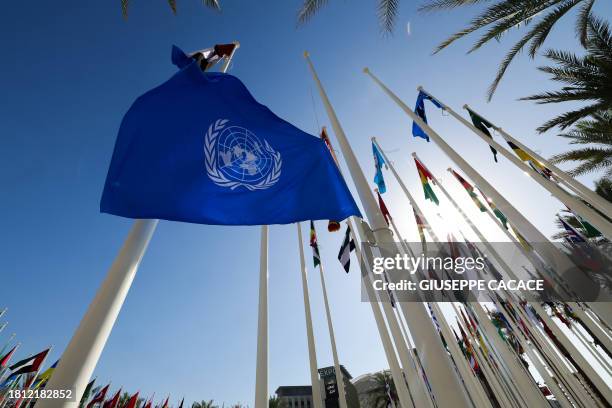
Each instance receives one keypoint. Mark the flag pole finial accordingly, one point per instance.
(366, 70)
(466, 107)
(236, 43)
(414, 155)
(306, 54)
(420, 88)
(373, 138)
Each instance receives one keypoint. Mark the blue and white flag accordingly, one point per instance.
(199, 148)
(379, 161)
(419, 109)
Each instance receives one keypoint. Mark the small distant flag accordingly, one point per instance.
(332, 226)
(571, 234)
(470, 190)
(481, 124)
(112, 403)
(27, 365)
(181, 404)
(419, 109)
(316, 257)
(379, 161)
(99, 397)
(149, 402)
(500, 215)
(7, 357)
(86, 393)
(521, 239)
(348, 245)
(589, 229)
(421, 227)
(425, 176)
(165, 404)
(132, 401)
(383, 208)
(209, 57)
(43, 378)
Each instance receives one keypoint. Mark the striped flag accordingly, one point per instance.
(43, 378)
(426, 176)
(470, 190)
(348, 245)
(86, 393)
(316, 257)
(132, 401)
(27, 365)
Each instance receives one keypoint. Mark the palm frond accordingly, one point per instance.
(547, 24)
(124, 8)
(446, 4)
(309, 9)
(599, 39)
(213, 4)
(567, 119)
(583, 21)
(387, 13)
(592, 158)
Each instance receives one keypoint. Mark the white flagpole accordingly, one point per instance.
(82, 353)
(396, 371)
(3, 311)
(446, 387)
(554, 257)
(576, 205)
(589, 195)
(332, 339)
(312, 353)
(261, 368)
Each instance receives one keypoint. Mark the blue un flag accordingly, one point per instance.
(199, 148)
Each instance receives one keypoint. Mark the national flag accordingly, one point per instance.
(209, 57)
(348, 245)
(132, 401)
(181, 404)
(421, 227)
(419, 109)
(7, 357)
(165, 404)
(521, 239)
(199, 148)
(99, 397)
(483, 125)
(500, 215)
(383, 208)
(86, 393)
(379, 161)
(43, 378)
(533, 163)
(316, 256)
(470, 190)
(425, 176)
(27, 365)
(112, 403)
(571, 233)
(589, 229)
(149, 402)
(332, 226)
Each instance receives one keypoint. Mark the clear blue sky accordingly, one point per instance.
(70, 70)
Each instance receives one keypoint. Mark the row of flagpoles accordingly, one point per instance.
(432, 365)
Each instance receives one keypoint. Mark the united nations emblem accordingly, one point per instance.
(236, 157)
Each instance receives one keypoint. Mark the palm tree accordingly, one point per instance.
(596, 134)
(204, 404)
(538, 17)
(588, 78)
(387, 12)
(384, 386)
(273, 402)
(213, 4)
